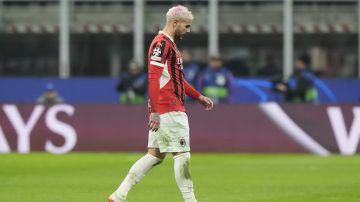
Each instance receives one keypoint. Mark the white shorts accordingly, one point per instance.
(173, 134)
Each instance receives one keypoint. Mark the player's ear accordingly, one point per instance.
(175, 23)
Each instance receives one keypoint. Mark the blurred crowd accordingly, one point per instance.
(50, 96)
(217, 81)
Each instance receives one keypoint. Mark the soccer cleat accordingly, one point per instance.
(114, 198)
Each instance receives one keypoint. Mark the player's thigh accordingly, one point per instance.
(173, 135)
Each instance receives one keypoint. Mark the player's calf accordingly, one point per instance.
(136, 173)
(183, 176)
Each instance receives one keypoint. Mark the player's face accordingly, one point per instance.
(182, 28)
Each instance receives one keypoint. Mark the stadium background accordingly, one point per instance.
(83, 46)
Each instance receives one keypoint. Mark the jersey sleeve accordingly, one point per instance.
(154, 87)
(157, 59)
(158, 54)
(191, 91)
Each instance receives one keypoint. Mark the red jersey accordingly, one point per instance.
(167, 87)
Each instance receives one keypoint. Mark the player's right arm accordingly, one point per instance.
(154, 93)
(157, 59)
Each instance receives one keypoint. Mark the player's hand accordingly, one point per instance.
(206, 102)
(154, 122)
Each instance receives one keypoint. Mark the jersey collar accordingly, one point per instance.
(161, 32)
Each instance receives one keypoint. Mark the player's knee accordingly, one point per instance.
(156, 153)
(156, 159)
(182, 164)
(158, 162)
(185, 155)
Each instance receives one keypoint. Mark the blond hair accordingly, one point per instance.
(180, 13)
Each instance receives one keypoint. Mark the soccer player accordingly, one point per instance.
(168, 122)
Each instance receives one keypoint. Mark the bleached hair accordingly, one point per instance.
(180, 13)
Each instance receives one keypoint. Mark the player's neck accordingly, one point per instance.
(167, 30)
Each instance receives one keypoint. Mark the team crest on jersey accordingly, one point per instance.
(182, 142)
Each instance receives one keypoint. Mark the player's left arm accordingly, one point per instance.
(193, 93)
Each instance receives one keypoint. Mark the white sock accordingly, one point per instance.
(136, 173)
(183, 176)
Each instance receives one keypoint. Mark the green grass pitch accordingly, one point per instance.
(91, 177)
